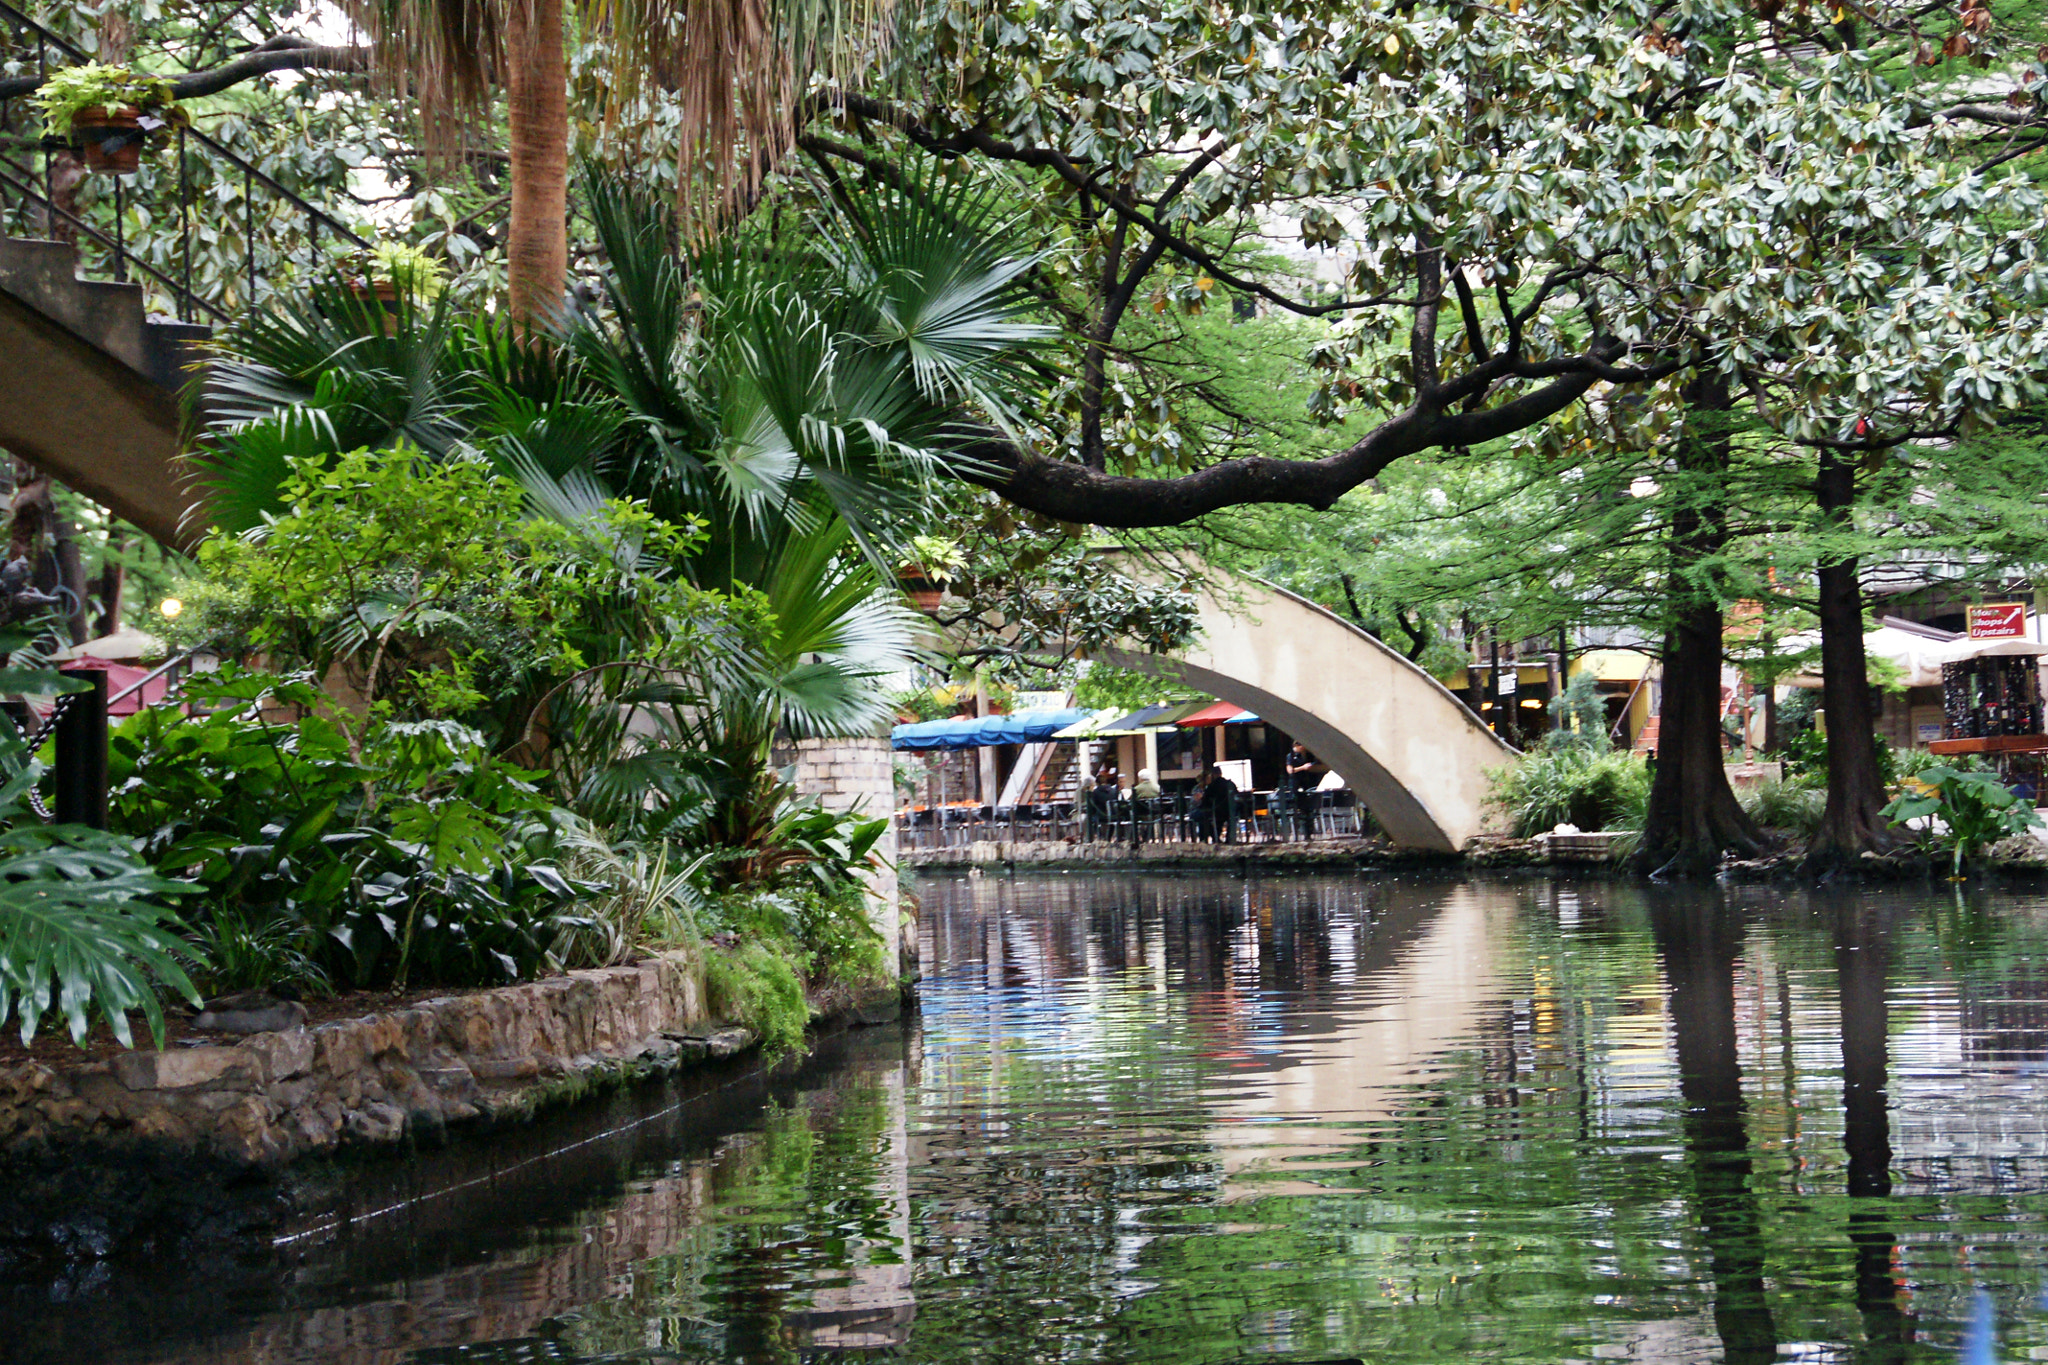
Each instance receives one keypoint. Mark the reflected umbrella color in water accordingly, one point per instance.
(1208, 1120)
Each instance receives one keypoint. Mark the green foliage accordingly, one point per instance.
(71, 90)
(1579, 714)
(415, 274)
(424, 581)
(757, 986)
(1104, 686)
(1805, 755)
(83, 928)
(79, 929)
(418, 854)
(642, 898)
(1971, 809)
(1785, 805)
(1575, 786)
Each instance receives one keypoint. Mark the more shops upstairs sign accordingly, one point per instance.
(1998, 621)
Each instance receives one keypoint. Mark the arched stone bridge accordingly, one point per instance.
(1413, 753)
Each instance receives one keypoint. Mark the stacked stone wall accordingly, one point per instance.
(272, 1097)
(850, 774)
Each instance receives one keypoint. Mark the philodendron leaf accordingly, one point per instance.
(77, 914)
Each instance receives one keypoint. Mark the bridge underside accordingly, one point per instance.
(1414, 755)
(88, 386)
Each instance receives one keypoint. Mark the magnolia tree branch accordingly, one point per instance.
(1079, 176)
(279, 54)
(1073, 492)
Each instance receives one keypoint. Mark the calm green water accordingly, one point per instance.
(1210, 1120)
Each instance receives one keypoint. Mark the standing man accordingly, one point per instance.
(1300, 782)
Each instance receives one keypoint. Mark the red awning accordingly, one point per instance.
(1218, 713)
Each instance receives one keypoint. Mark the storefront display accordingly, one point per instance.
(1991, 697)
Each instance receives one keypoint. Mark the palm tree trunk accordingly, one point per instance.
(537, 99)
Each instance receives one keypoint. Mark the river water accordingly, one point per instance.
(1203, 1119)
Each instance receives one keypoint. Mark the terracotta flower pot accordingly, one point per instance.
(382, 296)
(922, 592)
(109, 139)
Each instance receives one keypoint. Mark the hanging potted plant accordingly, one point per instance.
(380, 274)
(106, 112)
(924, 578)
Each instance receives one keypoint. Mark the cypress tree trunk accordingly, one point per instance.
(1851, 824)
(537, 102)
(1693, 816)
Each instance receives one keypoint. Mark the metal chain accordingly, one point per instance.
(35, 742)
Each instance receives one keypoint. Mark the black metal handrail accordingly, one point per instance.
(176, 669)
(20, 180)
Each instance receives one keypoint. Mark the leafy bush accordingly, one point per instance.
(1580, 716)
(418, 855)
(1909, 764)
(1785, 805)
(757, 986)
(1575, 786)
(1806, 760)
(72, 90)
(644, 898)
(770, 948)
(1973, 808)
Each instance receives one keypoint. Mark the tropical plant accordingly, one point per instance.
(1969, 810)
(427, 588)
(406, 851)
(83, 923)
(71, 90)
(647, 896)
(777, 411)
(410, 271)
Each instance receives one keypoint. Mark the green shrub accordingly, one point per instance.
(1574, 786)
(411, 270)
(1785, 805)
(1806, 760)
(418, 857)
(757, 986)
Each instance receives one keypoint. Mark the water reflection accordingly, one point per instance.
(1209, 1120)
(1699, 941)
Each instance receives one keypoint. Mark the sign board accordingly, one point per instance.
(1508, 678)
(1042, 701)
(1999, 621)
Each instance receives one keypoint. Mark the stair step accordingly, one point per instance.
(109, 315)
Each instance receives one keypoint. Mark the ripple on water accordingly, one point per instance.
(1407, 1120)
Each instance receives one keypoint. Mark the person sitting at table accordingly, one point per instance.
(1144, 804)
(1102, 799)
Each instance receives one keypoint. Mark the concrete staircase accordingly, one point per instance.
(89, 385)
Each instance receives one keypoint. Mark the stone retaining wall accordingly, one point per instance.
(272, 1097)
